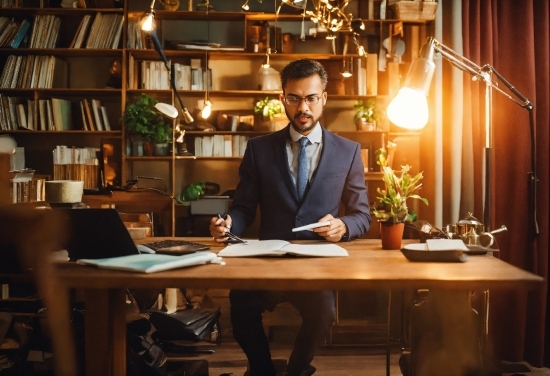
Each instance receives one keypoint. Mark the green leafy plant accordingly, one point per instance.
(192, 191)
(141, 118)
(369, 111)
(269, 107)
(398, 188)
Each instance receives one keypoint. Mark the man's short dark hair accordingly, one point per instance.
(303, 68)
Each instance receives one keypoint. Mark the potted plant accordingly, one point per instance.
(272, 112)
(398, 188)
(140, 120)
(160, 136)
(367, 114)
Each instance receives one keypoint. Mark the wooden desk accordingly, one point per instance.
(367, 267)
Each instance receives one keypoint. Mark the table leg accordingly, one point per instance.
(105, 332)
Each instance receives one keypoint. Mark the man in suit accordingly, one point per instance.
(295, 183)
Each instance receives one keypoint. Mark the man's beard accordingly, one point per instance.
(297, 127)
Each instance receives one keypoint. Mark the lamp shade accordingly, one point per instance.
(167, 110)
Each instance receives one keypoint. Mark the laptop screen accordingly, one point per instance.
(97, 233)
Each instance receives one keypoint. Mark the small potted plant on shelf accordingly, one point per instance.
(142, 122)
(160, 136)
(368, 113)
(398, 188)
(272, 113)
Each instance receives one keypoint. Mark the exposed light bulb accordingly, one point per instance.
(346, 74)
(245, 6)
(409, 109)
(148, 23)
(207, 109)
(331, 36)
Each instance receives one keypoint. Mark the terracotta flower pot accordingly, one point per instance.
(363, 125)
(391, 234)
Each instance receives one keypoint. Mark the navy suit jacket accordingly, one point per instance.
(265, 180)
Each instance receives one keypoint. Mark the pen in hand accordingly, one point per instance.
(232, 237)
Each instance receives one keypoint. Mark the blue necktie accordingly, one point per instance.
(302, 176)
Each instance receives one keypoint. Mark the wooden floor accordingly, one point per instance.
(329, 361)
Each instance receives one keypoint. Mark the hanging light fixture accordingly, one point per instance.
(207, 109)
(266, 64)
(347, 68)
(245, 6)
(330, 15)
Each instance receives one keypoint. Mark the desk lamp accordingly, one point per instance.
(409, 109)
(148, 26)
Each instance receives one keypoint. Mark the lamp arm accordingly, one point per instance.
(458, 60)
(159, 49)
(484, 74)
(186, 116)
(527, 104)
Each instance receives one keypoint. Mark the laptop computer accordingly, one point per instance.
(101, 233)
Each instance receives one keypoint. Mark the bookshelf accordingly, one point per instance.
(84, 56)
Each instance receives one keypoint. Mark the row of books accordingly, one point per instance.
(220, 145)
(153, 75)
(26, 186)
(45, 31)
(55, 3)
(34, 72)
(104, 32)
(12, 32)
(55, 114)
(70, 155)
(85, 172)
(136, 37)
(72, 163)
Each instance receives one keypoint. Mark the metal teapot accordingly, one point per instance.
(472, 232)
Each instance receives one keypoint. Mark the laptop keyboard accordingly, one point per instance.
(170, 243)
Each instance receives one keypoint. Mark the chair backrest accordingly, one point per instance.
(35, 234)
(136, 201)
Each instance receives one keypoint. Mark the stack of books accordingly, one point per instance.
(76, 164)
(34, 72)
(12, 32)
(26, 187)
(104, 33)
(220, 146)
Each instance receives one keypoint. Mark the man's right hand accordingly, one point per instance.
(218, 228)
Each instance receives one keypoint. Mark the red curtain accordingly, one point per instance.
(513, 37)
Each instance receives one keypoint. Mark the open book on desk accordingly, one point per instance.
(151, 262)
(281, 248)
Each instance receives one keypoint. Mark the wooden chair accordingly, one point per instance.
(136, 201)
(35, 234)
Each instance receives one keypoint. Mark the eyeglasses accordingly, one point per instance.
(293, 100)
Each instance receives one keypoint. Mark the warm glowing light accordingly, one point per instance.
(409, 109)
(207, 109)
(148, 23)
